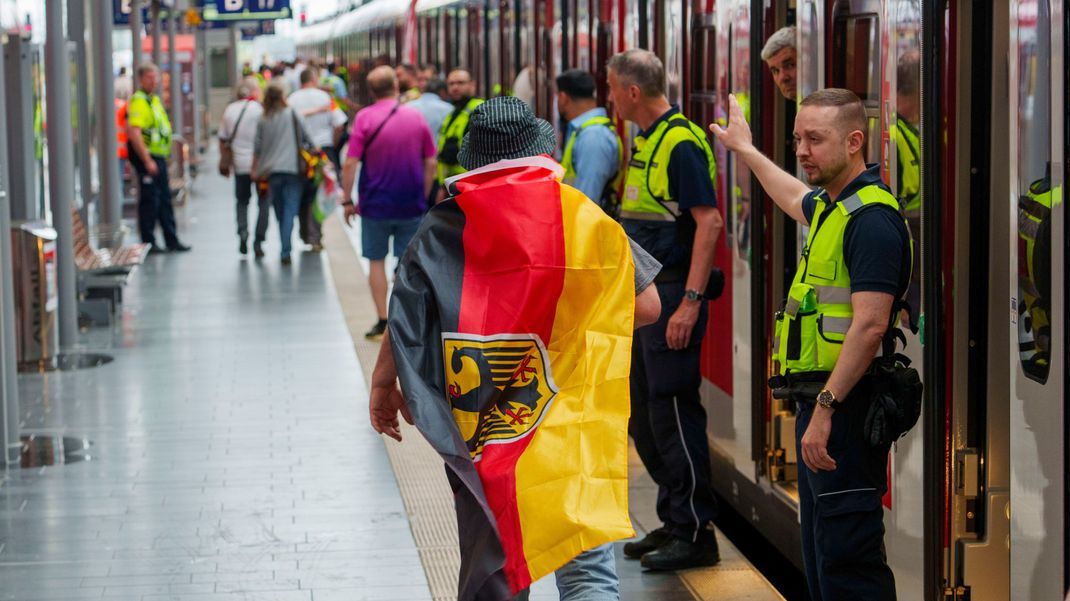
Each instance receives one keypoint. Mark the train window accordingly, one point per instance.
(674, 42)
(905, 132)
(855, 61)
(1034, 187)
(812, 27)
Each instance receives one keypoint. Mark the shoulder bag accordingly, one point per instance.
(226, 149)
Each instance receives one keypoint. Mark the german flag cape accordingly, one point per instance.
(511, 324)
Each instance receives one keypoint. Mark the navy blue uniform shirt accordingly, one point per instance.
(876, 242)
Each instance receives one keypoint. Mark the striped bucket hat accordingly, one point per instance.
(504, 128)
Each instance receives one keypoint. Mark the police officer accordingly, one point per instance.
(840, 312)
(461, 89)
(592, 153)
(149, 136)
(669, 208)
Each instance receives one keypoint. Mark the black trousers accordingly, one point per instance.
(840, 510)
(243, 192)
(154, 204)
(668, 422)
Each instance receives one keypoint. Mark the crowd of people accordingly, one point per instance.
(413, 147)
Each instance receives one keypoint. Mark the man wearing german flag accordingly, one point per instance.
(511, 332)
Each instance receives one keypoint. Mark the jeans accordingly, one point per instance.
(590, 576)
(243, 192)
(154, 204)
(284, 190)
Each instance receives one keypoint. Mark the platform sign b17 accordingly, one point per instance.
(246, 10)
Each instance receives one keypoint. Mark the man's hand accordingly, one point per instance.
(736, 136)
(151, 168)
(384, 405)
(681, 324)
(815, 441)
(350, 212)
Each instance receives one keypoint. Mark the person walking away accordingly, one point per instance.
(237, 131)
(432, 106)
(280, 135)
(841, 310)
(670, 209)
(461, 89)
(123, 87)
(392, 146)
(592, 153)
(148, 132)
(324, 121)
(510, 225)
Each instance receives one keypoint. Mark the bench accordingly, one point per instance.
(102, 272)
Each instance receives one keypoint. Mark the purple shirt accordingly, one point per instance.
(391, 182)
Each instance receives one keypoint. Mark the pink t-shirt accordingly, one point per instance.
(391, 182)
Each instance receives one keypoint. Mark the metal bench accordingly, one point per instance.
(102, 272)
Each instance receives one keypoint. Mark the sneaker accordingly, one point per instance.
(680, 554)
(650, 542)
(377, 331)
(286, 260)
(243, 247)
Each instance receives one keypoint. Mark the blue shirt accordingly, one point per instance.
(875, 243)
(595, 155)
(434, 109)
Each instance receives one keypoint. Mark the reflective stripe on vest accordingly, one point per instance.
(810, 330)
(455, 127)
(909, 153)
(157, 136)
(646, 191)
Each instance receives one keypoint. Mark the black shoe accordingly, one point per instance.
(258, 250)
(650, 542)
(156, 250)
(681, 554)
(179, 248)
(287, 260)
(243, 248)
(377, 331)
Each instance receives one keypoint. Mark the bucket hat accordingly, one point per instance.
(504, 128)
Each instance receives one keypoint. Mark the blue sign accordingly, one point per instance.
(246, 10)
(120, 10)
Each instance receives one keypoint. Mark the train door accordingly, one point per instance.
(1037, 299)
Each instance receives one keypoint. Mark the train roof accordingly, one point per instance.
(369, 16)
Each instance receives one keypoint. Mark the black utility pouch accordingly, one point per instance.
(895, 403)
(448, 153)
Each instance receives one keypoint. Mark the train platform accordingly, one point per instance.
(224, 452)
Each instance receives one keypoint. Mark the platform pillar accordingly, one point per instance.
(110, 207)
(61, 168)
(135, 33)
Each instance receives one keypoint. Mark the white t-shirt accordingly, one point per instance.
(242, 140)
(320, 125)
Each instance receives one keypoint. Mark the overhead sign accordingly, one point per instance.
(246, 10)
(255, 30)
(121, 9)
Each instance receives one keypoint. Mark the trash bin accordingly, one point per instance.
(34, 261)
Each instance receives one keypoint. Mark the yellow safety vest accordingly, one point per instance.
(156, 129)
(909, 152)
(454, 129)
(646, 188)
(566, 157)
(810, 330)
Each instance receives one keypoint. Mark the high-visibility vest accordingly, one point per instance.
(566, 157)
(908, 146)
(817, 313)
(120, 128)
(157, 134)
(454, 129)
(646, 188)
(1034, 222)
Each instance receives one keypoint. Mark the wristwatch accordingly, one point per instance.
(694, 295)
(826, 399)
